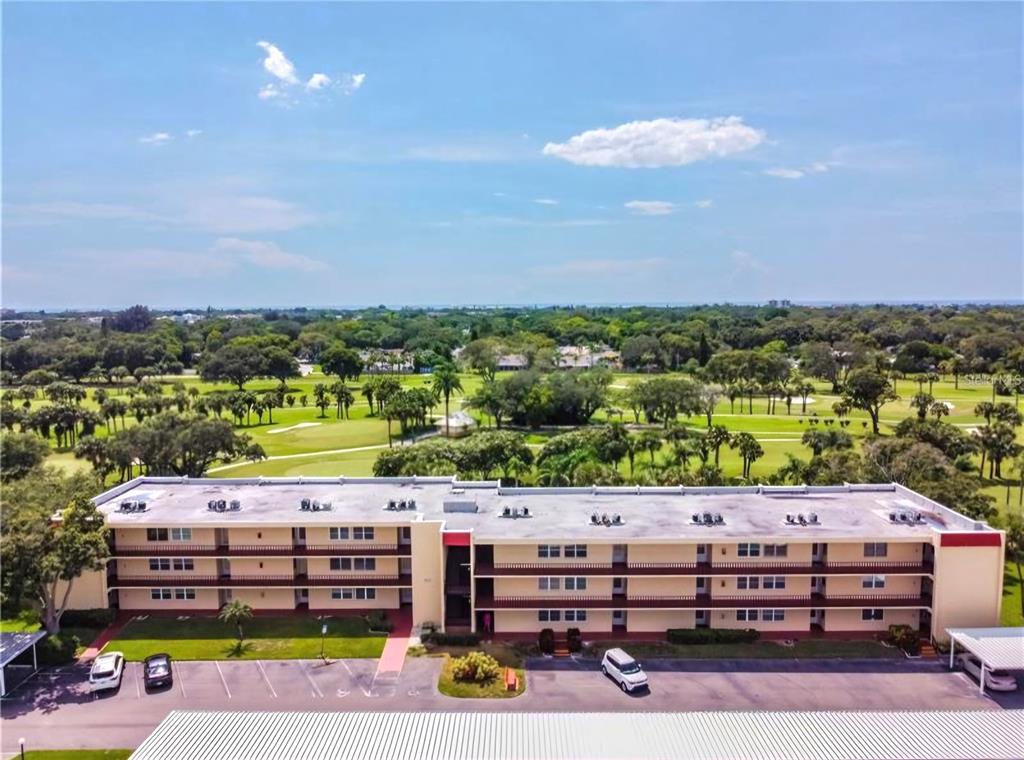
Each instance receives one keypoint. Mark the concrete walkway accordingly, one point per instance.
(392, 659)
(106, 635)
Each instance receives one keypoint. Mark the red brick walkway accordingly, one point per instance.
(108, 633)
(393, 657)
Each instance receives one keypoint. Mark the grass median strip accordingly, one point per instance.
(266, 638)
(758, 650)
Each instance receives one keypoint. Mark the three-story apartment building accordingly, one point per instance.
(510, 561)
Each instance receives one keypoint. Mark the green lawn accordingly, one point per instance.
(78, 754)
(266, 638)
(761, 650)
(1012, 613)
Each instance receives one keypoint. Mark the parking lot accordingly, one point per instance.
(56, 709)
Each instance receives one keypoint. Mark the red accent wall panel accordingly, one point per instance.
(456, 538)
(981, 538)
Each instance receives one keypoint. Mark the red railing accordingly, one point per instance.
(700, 601)
(347, 549)
(293, 581)
(752, 567)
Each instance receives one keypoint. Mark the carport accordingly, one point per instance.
(14, 658)
(997, 648)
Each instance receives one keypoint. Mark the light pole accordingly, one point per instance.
(323, 634)
(21, 742)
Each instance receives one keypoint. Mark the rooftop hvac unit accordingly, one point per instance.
(212, 505)
(904, 517)
(526, 512)
(506, 511)
(919, 518)
(327, 505)
(403, 504)
(595, 519)
(222, 504)
(802, 519)
(315, 506)
(790, 519)
(812, 518)
(893, 517)
(412, 503)
(616, 519)
(719, 520)
(695, 518)
(304, 505)
(708, 518)
(235, 505)
(392, 506)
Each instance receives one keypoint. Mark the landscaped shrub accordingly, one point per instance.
(546, 641)
(378, 621)
(452, 639)
(97, 618)
(575, 639)
(906, 638)
(57, 649)
(475, 666)
(711, 635)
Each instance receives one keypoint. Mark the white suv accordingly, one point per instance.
(624, 670)
(106, 672)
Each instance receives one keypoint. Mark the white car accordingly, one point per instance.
(996, 680)
(624, 670)
(106, 672)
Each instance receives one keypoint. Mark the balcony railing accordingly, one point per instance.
(337, 580)
(700, 601)
(751, 567)
(347, 549)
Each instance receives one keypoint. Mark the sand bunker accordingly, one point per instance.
(293, 427)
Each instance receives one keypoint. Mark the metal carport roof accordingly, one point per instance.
(998, 648)
(970, 735)
(13, 645)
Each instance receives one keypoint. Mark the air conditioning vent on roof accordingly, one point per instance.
(811, 518)
(516, 512)
(305, 505)
(235, 505)
(132, 505)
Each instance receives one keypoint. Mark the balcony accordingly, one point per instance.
(169, 549)
(256, 581)
(700, 601)
(754, 567)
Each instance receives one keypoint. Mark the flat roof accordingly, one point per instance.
(853, 511)
(969, 735)
(12, 645)
(998, 648)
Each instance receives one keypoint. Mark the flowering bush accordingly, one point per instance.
(475, 666)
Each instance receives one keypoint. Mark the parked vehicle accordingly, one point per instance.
(106, 671)
(624, 670)
(996, 680)
(156, 671)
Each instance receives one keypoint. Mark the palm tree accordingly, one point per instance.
(320, 394)
(805, 389)
(650, 441)
(235, 613)
(717, 437)
(446, 382)
(750, 450)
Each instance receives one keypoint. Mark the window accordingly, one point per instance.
(575, 616)
(575, 584)
(579, 551)
(748, 616)
(184, 593)
(748, 583)
(353, 593)
(160, 564)
(549, 584)
(773, 581)
(872, 614)
(748, 550)
(362, 534)
(364, 563)
(776, 550)
(159, 594)
(156, 534)
(181, 534)
(339, 534)
(873, 581)
(876, 550)
(544, 551)
(341, 563)
(184, 563)
(549, 616)
(773, 616)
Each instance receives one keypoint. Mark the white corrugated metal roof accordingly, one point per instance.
(998, 648)
(14, 644)
(187, 735)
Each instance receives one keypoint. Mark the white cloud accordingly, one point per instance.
(546, 201)
(269, 92)
(352, 82)
(32, 214)
(157, 138)
(784, 173)
(661, 142)
(744, 262)
(705, 203)
(277, 63)
(243, 214)
(318, 82)
(265, 254)
(193, 132)
(650, 208)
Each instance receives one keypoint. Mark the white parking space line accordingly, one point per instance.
(259, 664)
(316, 690)
(222, 680)
(179, 677)
(138, 691)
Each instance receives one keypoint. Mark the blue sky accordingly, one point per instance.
(259, 154)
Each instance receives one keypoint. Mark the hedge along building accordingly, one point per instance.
(475, 555)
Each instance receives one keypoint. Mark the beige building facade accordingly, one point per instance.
(476, 556)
